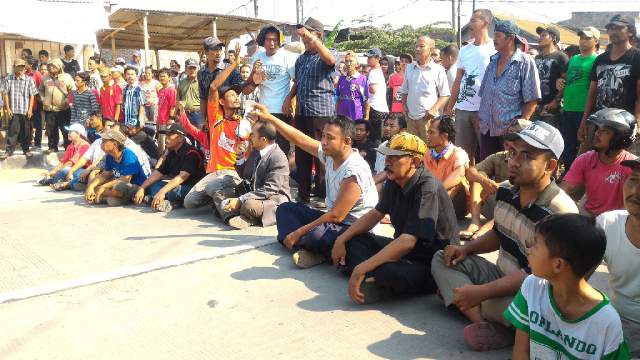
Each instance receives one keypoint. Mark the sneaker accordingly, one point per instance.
(305, 259)
(45, 181)
(165, 206)
(372, 292)
(486, 336)
(240, 222)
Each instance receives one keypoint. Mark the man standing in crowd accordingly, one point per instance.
(423, 221)
(510, 88)
(18, 94)
(166, 104)
(352, 90)
(133, 99)
(181, 169)
(599, 173)
(477, 287)
(43, 57)
(110, 97)
(313, 89)
(265, 177)
(378, 108)
(32, 70)
(136, 63)
(425, 89)
(214, 49)
(395, 82)
(472, 63)
(551, 64)
(272, 73)
(54, 92)
(188, 93)
(71, 65)
(575, 87)
(622, 228)
(449, 60)
(448, 162)
(614, 77)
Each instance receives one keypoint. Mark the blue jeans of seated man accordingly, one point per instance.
(290, 216)
(62, 175)
(176, 195)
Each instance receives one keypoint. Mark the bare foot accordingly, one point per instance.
(468, 233)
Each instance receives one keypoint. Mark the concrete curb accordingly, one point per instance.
(38, 160)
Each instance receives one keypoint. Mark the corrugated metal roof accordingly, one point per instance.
(174, 30)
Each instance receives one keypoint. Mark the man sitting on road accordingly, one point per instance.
(599, 174)
(265, 183)
(363, 142)
(121, 168)
(228, 133)
(448, 162)
(182, 167)
(393, 125)
(480, 289)
(422, 217)
(351, 191)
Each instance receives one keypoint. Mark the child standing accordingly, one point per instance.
(556, 313)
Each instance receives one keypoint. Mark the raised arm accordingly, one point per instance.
(290, 133)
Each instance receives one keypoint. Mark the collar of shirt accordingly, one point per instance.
(517, 56)
(543, 199)
(413, 181)
(266, 150)
(428, 65)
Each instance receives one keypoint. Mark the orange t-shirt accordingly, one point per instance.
(224, 137)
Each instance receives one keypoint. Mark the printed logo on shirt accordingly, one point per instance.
(226, 143)
(571, 342)
(611, 84)
(467, 90)
(273, 71)
(614, 178)
(544, 70)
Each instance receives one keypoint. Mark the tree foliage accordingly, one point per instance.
(393, 41)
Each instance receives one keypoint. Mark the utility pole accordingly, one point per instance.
(299, 11)
(474, 6)
(453, 15)
(255, 8)
(459, 28)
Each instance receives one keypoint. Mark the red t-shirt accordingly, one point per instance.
(110, 96)
(166, 101)
(395, 82)
(37, 78)
(73, 153)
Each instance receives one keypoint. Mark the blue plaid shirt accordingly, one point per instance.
(133, 99)
(503, 97)
(206, 76)
(315, 90)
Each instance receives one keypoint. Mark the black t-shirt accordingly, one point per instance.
(368, 151)
(422, 209)
(617, 80)
(187, 159)
(147, 144)
(71, 67)
(549, 69)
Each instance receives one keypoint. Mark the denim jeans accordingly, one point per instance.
(176, 195)
(62, 175)
(290, 216)
(569, 125)
(37, 125)
(194, 118)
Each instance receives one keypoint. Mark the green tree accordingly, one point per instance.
(393, 41)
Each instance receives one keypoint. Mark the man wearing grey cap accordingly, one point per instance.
(615, 77)
(510, 88)
(551, 63)
(477, 287)
(188, 92)
(313, 89)
(214, 49)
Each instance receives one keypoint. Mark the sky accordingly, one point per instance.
(396, 12)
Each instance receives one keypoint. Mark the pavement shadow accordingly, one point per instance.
(75, 198)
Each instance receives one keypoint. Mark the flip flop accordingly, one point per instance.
(467, 235)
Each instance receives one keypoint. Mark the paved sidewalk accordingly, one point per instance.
(184, 286)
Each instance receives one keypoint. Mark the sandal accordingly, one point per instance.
(59, 186)
(466, 235)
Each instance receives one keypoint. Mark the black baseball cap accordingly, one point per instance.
(621, 20)
(174, 128)
(223, 90)
(551, 30)
(212, 43)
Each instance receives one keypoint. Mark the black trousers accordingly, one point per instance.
(376, 120)
(19, 131)
(409, 276)
(311, 126)
(55, 122)
(283, 143)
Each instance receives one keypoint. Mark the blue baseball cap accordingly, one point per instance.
(374, 52)
(508, 27)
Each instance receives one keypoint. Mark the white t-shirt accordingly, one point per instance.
(356, 166)
(595, 335)
(280, 70)
(451, 75)
(379, 165)
(423, 87)
(378, 101)
(94, 153)
(473, 60)
(623, 261)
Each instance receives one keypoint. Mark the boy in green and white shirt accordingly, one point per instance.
(556, 313)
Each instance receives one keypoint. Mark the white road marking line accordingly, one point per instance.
(129, 271)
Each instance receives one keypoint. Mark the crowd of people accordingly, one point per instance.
(538, 150)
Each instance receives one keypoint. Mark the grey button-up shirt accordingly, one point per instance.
(315, 87)
(504, 97)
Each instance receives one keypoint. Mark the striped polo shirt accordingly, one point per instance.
(315, 89)
(515, 225)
